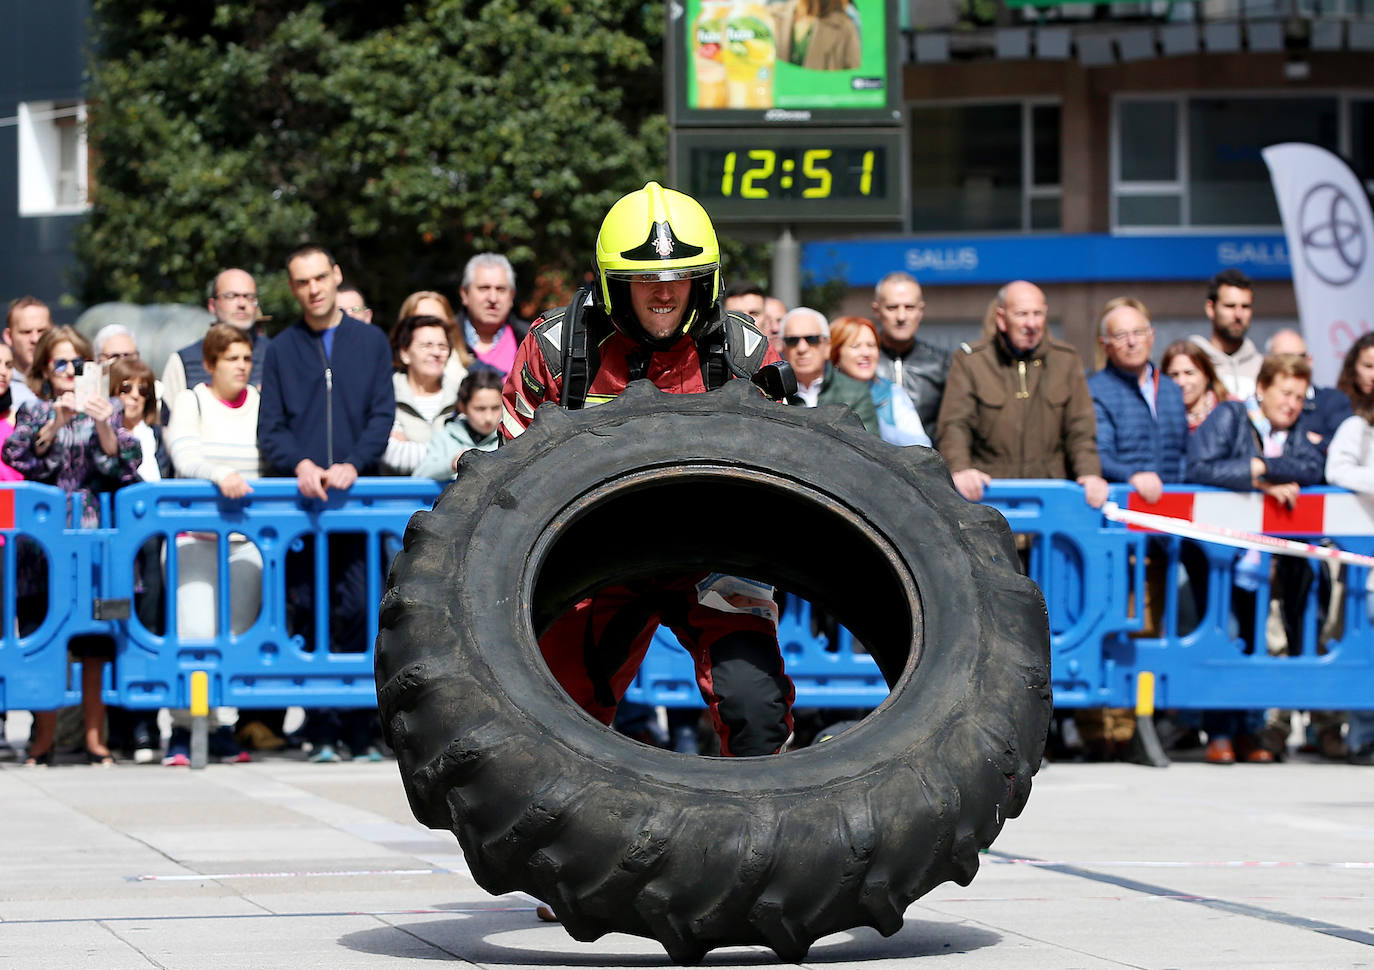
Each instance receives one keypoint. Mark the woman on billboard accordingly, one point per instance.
(819, 35)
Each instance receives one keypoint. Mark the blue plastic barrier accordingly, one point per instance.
(265, 665)
(1093, 573)
(1211, 666)
(34, 670)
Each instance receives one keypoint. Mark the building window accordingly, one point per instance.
(1181, 162)
(985, 167)
(52, 158)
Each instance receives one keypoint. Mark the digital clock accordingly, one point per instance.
(792, 175)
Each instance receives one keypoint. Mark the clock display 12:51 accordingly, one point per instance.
(806, 173)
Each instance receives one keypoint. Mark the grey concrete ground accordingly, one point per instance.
(287, 864)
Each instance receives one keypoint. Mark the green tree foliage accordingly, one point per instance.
(403, 137)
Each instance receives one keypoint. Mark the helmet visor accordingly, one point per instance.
(661, 276)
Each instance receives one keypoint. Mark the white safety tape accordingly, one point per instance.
(1225, 536)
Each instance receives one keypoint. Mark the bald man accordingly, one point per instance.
(1017, 405)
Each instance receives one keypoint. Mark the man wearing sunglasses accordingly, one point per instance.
(805, 336)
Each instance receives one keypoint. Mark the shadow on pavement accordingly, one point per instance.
(508, 936)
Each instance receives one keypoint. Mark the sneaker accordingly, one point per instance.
(145, 746)
(324, 754)
(241, 758)
(1363, 755)
(370, 753)
(177, 758)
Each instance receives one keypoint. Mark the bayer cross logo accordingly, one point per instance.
(1333, 239)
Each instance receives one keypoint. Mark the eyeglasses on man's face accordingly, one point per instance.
(119, 355)
(1122, 339)
(230, 296)
(814, 339)
(60, 365)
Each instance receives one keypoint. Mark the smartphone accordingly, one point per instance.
(90, 383)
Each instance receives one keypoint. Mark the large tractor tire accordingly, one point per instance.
(701, 852)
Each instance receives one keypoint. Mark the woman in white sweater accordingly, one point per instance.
(213, 433)
(1350, 464)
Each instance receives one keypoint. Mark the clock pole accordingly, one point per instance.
(787, 268)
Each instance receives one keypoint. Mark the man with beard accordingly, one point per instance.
(1230, 306)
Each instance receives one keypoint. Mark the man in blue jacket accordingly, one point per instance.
(327, 401)
(326, 412)
(1142, 439)
(1142, 425)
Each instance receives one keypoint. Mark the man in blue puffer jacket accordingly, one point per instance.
(1142, 425)
(1142, 432)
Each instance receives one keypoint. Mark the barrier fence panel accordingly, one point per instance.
(275, 599)
(296, 621)
(1085, 568)
(1235, 656)
(50, 571)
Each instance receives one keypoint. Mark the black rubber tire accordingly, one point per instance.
(700, 852)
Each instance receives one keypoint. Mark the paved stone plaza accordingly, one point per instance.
(281, 863)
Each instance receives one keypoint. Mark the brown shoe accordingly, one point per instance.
(1249, 750)
(258, 737)
(1331, 745)
(545, 913)
(1220, 752)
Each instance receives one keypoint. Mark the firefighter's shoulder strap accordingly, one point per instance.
(736, 348)
(570, 349)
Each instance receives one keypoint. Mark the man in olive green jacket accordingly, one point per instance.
(1017, 405)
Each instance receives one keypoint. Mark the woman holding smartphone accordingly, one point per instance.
(74, 441)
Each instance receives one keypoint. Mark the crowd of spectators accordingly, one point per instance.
(326, 400)
(332, 397)
(1212, 410)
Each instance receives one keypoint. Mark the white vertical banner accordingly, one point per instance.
(1330, 231)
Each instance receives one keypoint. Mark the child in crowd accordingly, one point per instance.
(474, 426)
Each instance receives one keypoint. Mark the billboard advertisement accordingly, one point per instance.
(783, 62)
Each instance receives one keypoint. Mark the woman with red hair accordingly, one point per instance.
(854, 350)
